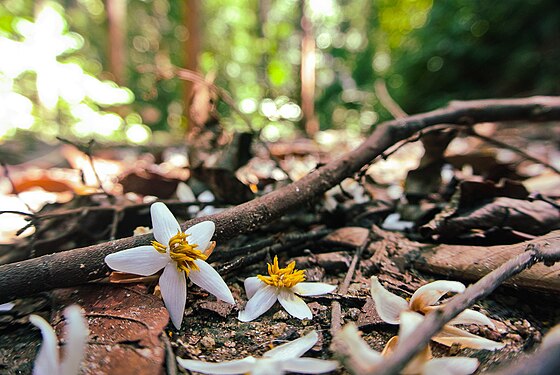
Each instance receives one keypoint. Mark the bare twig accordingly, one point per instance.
(435, 321)
(386, 100)
(81, 265)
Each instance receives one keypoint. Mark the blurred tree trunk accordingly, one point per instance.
(116, 17)
(308, 74)
(191, 18)
(264, 9)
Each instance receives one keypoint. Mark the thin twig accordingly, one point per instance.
(78, 266)
(435, 321)
(380, 88)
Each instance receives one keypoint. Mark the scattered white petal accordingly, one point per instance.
(360, 354)
(552, 337)
(388, 305)
(164, 223)
(469, 316)
(268, 366)
(185, 193)
(450, 366)
(310, 365)
(260, 303)
(430, 293)
(76, 333)
(450, 335)
(294, 349)
(240, 366)
(312, 289)
(47, 360)
(174, 292)
(201, 234)
(252, 284)
(210, 280)
(206, 196)
(7, 306)
(294, 305)
(409, 321)
(142, 260)
(394, 222)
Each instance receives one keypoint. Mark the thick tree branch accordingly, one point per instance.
(77, 266)
(435, 321)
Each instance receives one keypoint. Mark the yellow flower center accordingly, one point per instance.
(282, 277)
(182, 252)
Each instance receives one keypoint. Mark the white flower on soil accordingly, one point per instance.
(283, 285)
(180, 255)
(48, 360)
(390, 306)
(283, 358)
(361, 358)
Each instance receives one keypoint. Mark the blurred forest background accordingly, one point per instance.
(107, 70)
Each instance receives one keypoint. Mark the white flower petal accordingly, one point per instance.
(185, 193)
(210, 280)
(430, 293)
(7, 306)
(450, 335)
(240, 366)
(450, 366)
(294, 349)
(312, 289)
(164, 223)
(360, 357)
(294, 305)
(552, 337)
(76, 334)
(201, 234)
(173, 287)
(268, 366)
(409, 321)
(252, 284)
(388, 305)
(309, 365)
(142, 260)
(47, 360)
(469, 316)
(260, 303)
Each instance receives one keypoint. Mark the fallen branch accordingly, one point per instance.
(435, 321)
(546, 361)
(78, 266)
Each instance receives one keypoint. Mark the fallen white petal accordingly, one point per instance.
(312, 289)
(268, 366)
(409, 321)
(388, 305)
(360, 357)
(164, 223)
(552, 337)
(174, 292)
(260, 303)
(142, 260)
(210, 280)
(47, 360)
(7, 306)
(252, 284)
(294, 349)
(309, 365)
(76, 334)
(430, 293)
(450, 335)
(240, 366)
(185, 193)
(201, 234)
(450, 366)
(294, 305)
(469, 316)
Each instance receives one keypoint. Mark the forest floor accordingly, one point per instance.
(451, 198)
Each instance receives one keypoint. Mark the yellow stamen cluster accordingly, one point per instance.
(282, 277)
(183, 253)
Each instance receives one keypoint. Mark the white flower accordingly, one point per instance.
(76, 332)
(283, 284)
(285, 357)
(390, 306)
(180, 254)
(362, 359)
